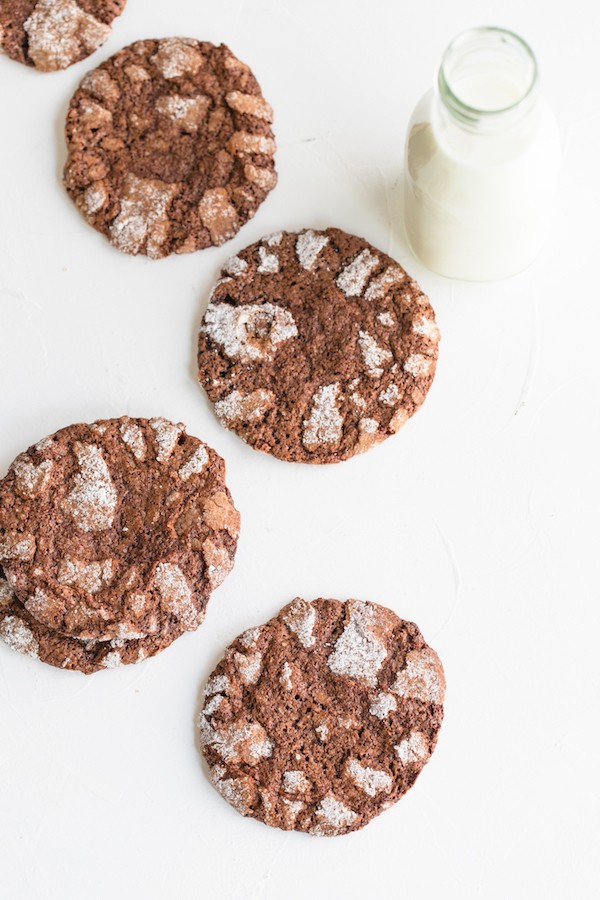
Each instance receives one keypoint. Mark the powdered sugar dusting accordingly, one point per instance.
(427, 328)
(273, 240)
(324, 426)
(142, 222)
(178, 56)
(218, 684)
(300, 618)
(88, 577)
(250, 105)
(167, 435)
(212, 705)
(236, 407)
(292, 809)
(219, 215)
(353, 278)
(386, 319)
(237, 791)
(418, 365)
(374, 356)
(59, 32)
(369, 426)
(18, 636)
(263, 176)
(333, 816)
(237, 742)
(17, 546)
(242, 142)
(38, 604)
(358, 653)
(415, 748)
(235, 265)
(94, 198)
(382, 705)
(136, 74)
(399, 419)
(322, 732)
(195, 464)
(371, 781)
(249, 638)
(379, 286)
(92, 501)
(248, 332)
(175, 594)
(390, 395)
(133, 437)
(308, 246)
(187, 112)
(218, 561)
(100, 85)
(249, 665)
(6, 593)
(421, 678)
(294, 781)
(31, 480)
(112, 660)
(285, 679)
(137, 602)
(269, 262)
(126, 632)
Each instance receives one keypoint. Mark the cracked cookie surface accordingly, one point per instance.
(118, 530)
(323, 717)
(315, 346)
(21, 632)
(170, 147)
(54, 34)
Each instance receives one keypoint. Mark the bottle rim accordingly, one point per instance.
(473, 115)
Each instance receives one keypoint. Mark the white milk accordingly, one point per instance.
(482, 156)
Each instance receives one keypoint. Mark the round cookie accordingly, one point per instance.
(21, 632)
(170, 147)
(316, 346)
(54, 34)
(324, 717)
(117, 530)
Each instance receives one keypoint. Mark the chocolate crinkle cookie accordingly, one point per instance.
(324, 717)
(21, 632)
(54, 34)
(170, 147)
(115, 532)
(315, 346)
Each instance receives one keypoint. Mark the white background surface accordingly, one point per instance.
(478, 521)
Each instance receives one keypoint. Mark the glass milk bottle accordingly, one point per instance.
(482, 157)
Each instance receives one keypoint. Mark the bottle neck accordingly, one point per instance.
(487, 83)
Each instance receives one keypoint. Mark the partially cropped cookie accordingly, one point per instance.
(118, 530)
(170, 147)
(315, 346)
(54, 34)
(21, 632)
(324, 717)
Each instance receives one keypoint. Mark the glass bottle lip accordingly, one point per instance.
(474, 116)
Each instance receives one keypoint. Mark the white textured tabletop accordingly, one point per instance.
(479, 520)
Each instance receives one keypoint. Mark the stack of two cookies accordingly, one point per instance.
(112, 538)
